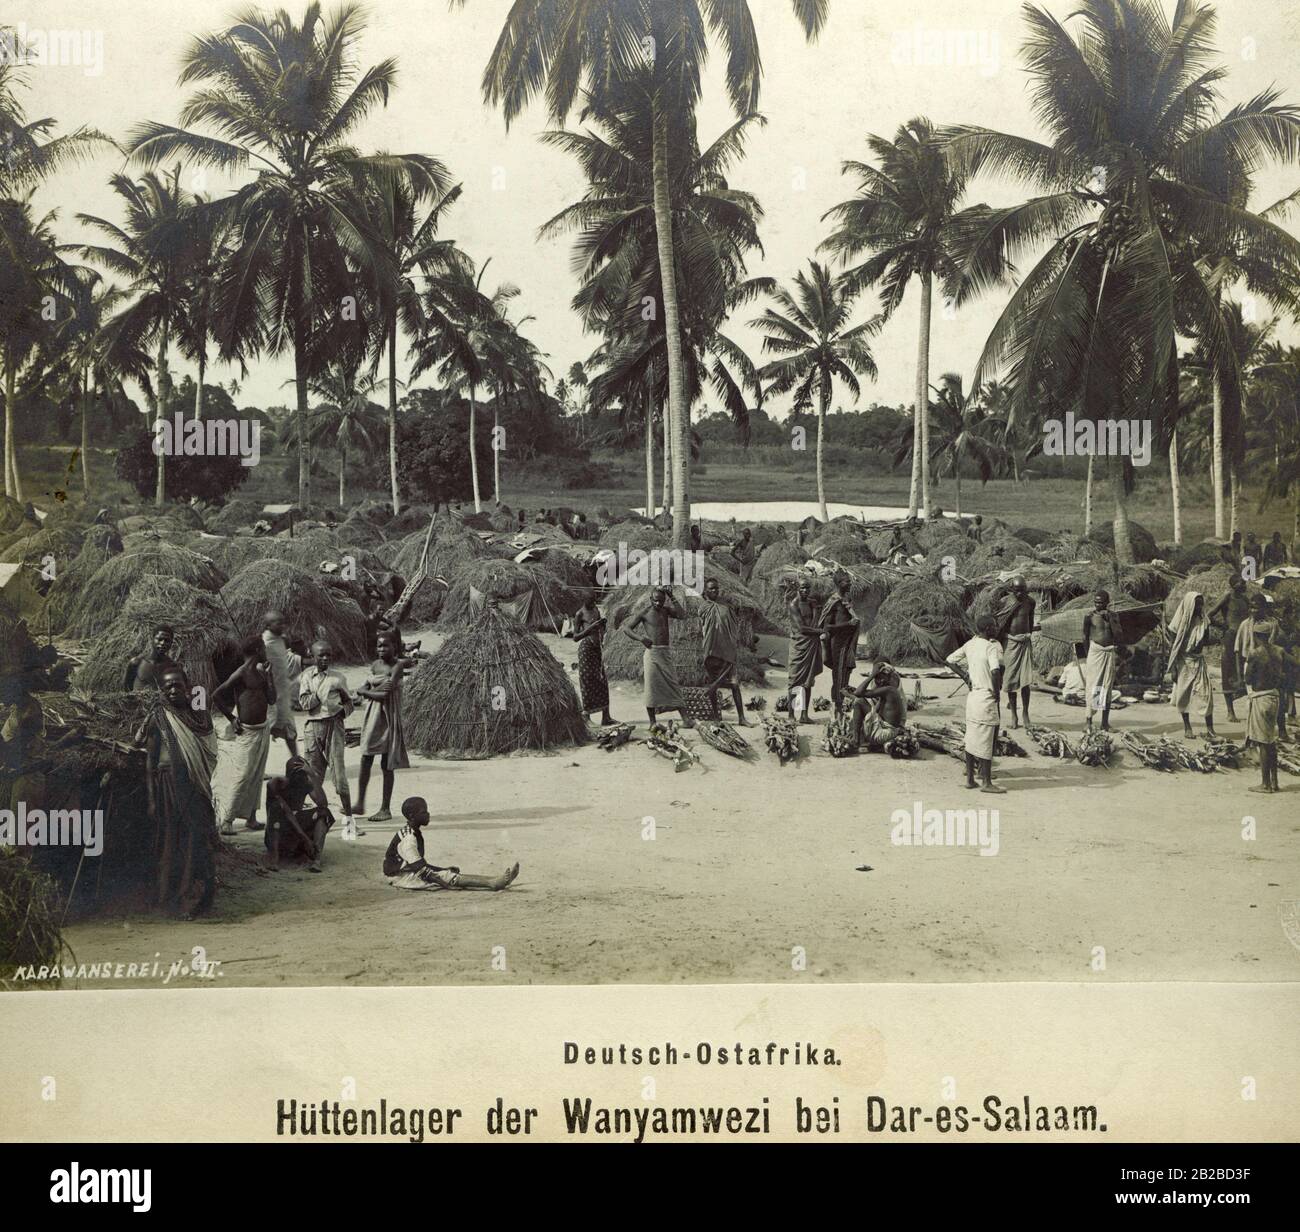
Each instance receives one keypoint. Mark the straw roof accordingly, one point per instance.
(636, 535)
(1212, 583)
(105, 592)
(264, 585)
(1143, 541)
(493, 687)
(236, 512)
(497, 578)
(921, 621)
(61, 542)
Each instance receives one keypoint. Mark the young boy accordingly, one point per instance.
(294, 831)
(323, 694)
(381, 727)
(406, 868)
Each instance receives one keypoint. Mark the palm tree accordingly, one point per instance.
(963, 430)
(905, 217)
(286, 98)
(1277, 452)
(815, 344)
(415, 252)
(152, 251)
(36, 288)
(554, 46)
(345, 418)
(1133, 198)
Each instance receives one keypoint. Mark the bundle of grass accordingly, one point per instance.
(1067, 547)
(623, 657)
(1196, 558)
(371, 512)
(1143, 541)
(955, 551)
(234, 514)
(31, 909)
(412, 518)
(61, 542)
(99, 544)
(267, 585)
(998, 551)
(185, 515)
(11, 515)
(1052, 652)
(640, 535)
(1034, 536)
(502, 579)
(778, 556)
(940, 530)
(492, 688)
(360, 531)
(204, 635)
(105, 593)
(921, 621)
(881, 540)
(843, 545)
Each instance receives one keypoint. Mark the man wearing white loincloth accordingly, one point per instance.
(662, 692)
(1099, 629)
(1188, 634)
(245, 699)
(980, 662)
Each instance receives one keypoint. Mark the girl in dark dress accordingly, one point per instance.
(588, 630)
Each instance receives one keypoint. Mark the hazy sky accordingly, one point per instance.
(820, 102)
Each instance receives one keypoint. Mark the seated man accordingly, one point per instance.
(406, 868)
(880, 702)
(293, 831)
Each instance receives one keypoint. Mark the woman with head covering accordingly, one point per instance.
(1188, 632)
(840, 639)
(805, 650)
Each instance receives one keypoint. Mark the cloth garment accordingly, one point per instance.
(246, 755)
(323, 749)
(285, 668)
(1019, 659)
(981, 658)
(1261, 716)
(719, 671)
(185, 824)
(875, 732)
(1250, 635)
(805, 655)
(1099, 676)
(662, 690)
(1193, 678)
(1188, 629)
(718, 625)
(592, 680)
(382, 734)
(406, 868)
(324, 694)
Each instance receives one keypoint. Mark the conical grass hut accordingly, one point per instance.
(553, 598)
(920, 622)
(493, 687)
(266, 585)
(106, 591)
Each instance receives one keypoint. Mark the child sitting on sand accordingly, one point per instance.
(405, 866)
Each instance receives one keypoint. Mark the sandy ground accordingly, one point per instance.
(749, 862)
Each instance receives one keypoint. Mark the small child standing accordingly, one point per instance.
(406, 868)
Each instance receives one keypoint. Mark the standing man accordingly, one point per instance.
(1234, 607)
(286, 666)
(805, 651)
(746, 553)
(381, 726)
(323, 694)
(1275, 552)
(840, 638)
(719, 623)
(1254, 553)
(1017, 629)
(1101, 644)
(662, 691)
(246, 699)
(1265, 672)
(1188, 634)
(980, 661)
(146, 671)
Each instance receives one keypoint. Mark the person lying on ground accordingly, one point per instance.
(406, 868)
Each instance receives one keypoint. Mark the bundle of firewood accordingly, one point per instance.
(782, 738)
(664, 741)
(609, 738)
(945, 738)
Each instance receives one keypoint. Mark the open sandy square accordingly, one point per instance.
(751, 867)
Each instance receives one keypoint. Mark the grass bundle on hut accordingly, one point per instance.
(1212, 583)
(843, 545)
(1034, 536)
(777, 556)
(31, 909)
(493, 687)
(997, 552)
(100, 543)
(503, 579)
(234, 514)
(61, 542)
(412, 518)
(204, 634)
(1143, 541)
(450, 549)
(1196, 558)
(921, 621)
(266, 585)
(636, 535)
(105, 593)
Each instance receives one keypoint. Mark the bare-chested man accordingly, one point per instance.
(1099, 636)
(146, 672)
(662, 691)
(246, 698)
(880, 700)
(1018, 655)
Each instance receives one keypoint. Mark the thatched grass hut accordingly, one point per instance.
(306, 603)
(493, 687)
(778, 555)
(237, 512)
(205, 636)
(639, 535)
(61, 542)
(503, 579)
(1197, 557)
(842, 545)
(1212, 583)
(1143, 541)
(100, 543)
(920, 622)
(450, 549)
(105, 592)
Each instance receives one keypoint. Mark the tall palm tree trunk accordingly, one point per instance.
(1234, 499)
(473, 453)
(821, 443)
(667, 502)
(1176, 487)
(678, 412)
(160, 492)
(343, 470)
(649, 464)
(198, 392)
(392, 411)
(496, 449)
(957, 473)
(300, 418)
(1216, 469)
(1087, 500)
(922, 433)
(1123, 544)
(13, 486)
(87, 401)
